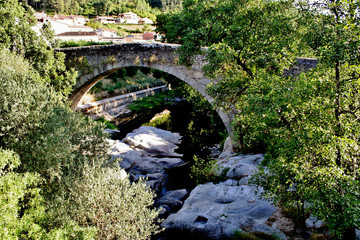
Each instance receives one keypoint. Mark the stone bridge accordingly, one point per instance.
(96, 62)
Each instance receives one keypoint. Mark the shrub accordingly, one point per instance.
(21, 204)
(105, 198)
(207, 171)
(67, 151)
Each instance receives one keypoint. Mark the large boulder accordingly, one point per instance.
(154, 141)
(240, 166)
(171, 201)
(218, 210)
(137, 153)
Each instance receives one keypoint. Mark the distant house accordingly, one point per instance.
(64, 24)
(40, 15)
(76, 36)
(109, 35)
(103, 19)
(78, 20)
(62, 19)
(135, 37)
(57, 26)
(149, 36)
(104, 32)
(80, 29)
(129, 17)
(145, 21)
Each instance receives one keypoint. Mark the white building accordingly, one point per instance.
(109, 35)
(78, 20)
(104, 32)
(62, 19)
(105, 19)
(80, 29)
(76, 36)
(130, 18)
(145, 21)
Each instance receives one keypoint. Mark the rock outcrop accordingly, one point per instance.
(154, 141)
(218, 210)
(148, 152)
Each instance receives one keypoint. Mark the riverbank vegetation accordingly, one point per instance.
(307, 124)
(56, 179)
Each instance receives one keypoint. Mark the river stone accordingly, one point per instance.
(128, 155)
(228, 148)
(217, 210)
(173, 198)
(309, 223)
(241, 166)
(154, 141)
(155, 165)
(111, 131)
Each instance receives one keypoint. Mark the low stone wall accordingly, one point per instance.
(109, 104)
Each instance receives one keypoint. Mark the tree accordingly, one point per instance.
(62, 148)
(308, 125)
(316, 154)
(16, 35)
(246, 40)
(21, 204)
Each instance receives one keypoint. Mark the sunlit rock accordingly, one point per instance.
(154, 141)
(217, 210)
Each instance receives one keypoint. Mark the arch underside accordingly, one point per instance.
(194, 78)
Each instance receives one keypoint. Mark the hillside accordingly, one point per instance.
(145, 8)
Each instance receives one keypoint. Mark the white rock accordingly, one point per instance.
(154, 141)
(241, 166)
(216, 210)
(309, 223)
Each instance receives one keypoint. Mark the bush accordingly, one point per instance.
(21, 204)
(207, 171)
(66, 151)
(80, 43)
(105, 198)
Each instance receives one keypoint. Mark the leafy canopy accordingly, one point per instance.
(16, 35)
(63, 155)
(308, 125)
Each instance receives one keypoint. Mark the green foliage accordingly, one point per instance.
(250, 28)
(79, 43)
(67, 152)
(105, 198)
(96, 7)
(160, 120)
(149, 102)
(21, 204)
(314, 146)
(128, 80)
(207, 171)
(94, 24)
(308, 125)
(107, 123)
(16, 35)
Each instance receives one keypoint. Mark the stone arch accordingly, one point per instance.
(96, 62)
